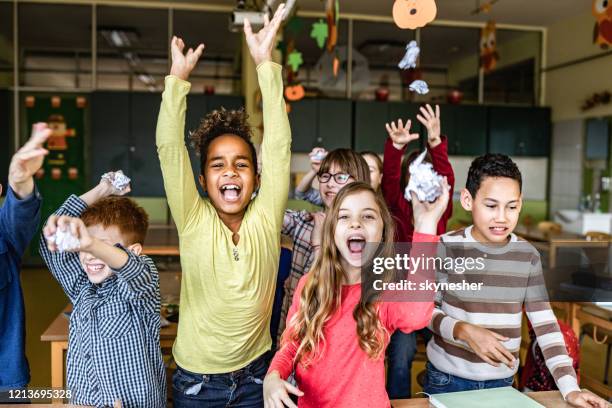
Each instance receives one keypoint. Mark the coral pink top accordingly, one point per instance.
(344, 375)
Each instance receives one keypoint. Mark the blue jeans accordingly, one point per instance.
(239, 389)
(400, 353)
(438, 382)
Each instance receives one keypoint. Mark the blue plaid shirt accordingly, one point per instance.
(113, 344)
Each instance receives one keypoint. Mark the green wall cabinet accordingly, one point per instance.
(466, 129)
(519, 131)
(320, 123)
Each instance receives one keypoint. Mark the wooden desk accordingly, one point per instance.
(550, 399)
(534, 234)
(57, 335)
(161, 240)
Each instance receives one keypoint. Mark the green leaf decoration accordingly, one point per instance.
(319, 32)
(294, 60)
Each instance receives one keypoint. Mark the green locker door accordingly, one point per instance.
(303, 120)
(369, 124)
(467, 133)
(334, 124)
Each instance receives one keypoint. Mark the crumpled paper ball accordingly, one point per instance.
(419, 87)
(424, 181)
(65, 241)
(119, 180)
(411, 56)
(320, 155)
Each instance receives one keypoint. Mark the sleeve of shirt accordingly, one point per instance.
(66, 266)
(276, 146)
(139, 280)
(19, 219)
(392, 168)
(284, 359)
(313, 196)
(549, 336)
(290, 222)
(442, 165)
(179, 184)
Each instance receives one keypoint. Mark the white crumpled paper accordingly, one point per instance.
(424, 181)
(64, 241)
(419, 87)
(320, 155)
(411, 56)
(119, 180)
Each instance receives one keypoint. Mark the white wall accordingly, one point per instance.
(566, 177)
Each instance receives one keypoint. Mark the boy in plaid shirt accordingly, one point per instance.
(114, 351)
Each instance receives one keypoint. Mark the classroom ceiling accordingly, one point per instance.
(524, 12)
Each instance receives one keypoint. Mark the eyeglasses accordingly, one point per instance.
(340, 178)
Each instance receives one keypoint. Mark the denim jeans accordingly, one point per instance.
(438, 382)
(400, 353)
(240, 389)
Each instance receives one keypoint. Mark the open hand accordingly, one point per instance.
(28, 160)
(276, 392)
(261, 44)
(400, 134)
(431, 120)
(485, 343)
(183, 64)
(585, 399)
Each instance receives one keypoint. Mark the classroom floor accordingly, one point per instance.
(44, 300)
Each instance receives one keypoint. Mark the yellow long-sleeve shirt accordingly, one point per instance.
(225, 304)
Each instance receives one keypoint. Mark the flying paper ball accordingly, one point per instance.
(411, 56)
(419, 87)
(424, 181)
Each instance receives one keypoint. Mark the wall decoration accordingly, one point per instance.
(332, 11)
(488, 47)
(319, 32)
(484, 8)
(598, 99)
(602, 33)
(413, 14)
(294, 92)
(294, 60)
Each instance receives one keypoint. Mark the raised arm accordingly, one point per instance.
(399, 137)
(20, 214)
(276, 146)
(181, 191)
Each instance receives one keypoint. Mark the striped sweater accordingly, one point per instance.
(512, 281)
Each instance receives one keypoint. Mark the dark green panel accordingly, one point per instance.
(110, 133)
(519, 131)
(335, 123)
(467, 133)
(304, 125)
(144, 165)
(369, 125)
(229, 102)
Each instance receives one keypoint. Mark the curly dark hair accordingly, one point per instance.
(218, 123)
(491, 165)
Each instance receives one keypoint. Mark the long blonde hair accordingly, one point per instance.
(321, 294)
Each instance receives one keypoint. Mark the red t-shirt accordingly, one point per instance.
(344, 375)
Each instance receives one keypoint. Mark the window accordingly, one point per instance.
(383, 45)
(217, 70)
(57, 54)
(450, 61)
(132, 48)
(6, 45)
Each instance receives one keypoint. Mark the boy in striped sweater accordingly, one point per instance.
(477, 334)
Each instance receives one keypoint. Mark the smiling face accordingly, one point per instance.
(230, 176)
(414, 13)
(330, 188)
(375, 171)
(495, 209)
(359, 221)
(97, 271)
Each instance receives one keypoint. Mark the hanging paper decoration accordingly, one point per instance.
(332, 12)
(294, 92)
(413, 14)
(484, 8)
(488, 47)
(602, 33)
(319, 32)
(411, 56)
(294, 60)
